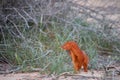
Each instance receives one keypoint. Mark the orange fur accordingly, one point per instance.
(79, 57)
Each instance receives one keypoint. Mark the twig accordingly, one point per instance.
(68, 74)
(10, 71)
(22, 17)
(3, 35)
(109, 68)
(46, 66)
(17, 30)
(30, 17)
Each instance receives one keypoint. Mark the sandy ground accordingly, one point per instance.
(95, 75)
(63, 76)
(113, 7)
(21, 76)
